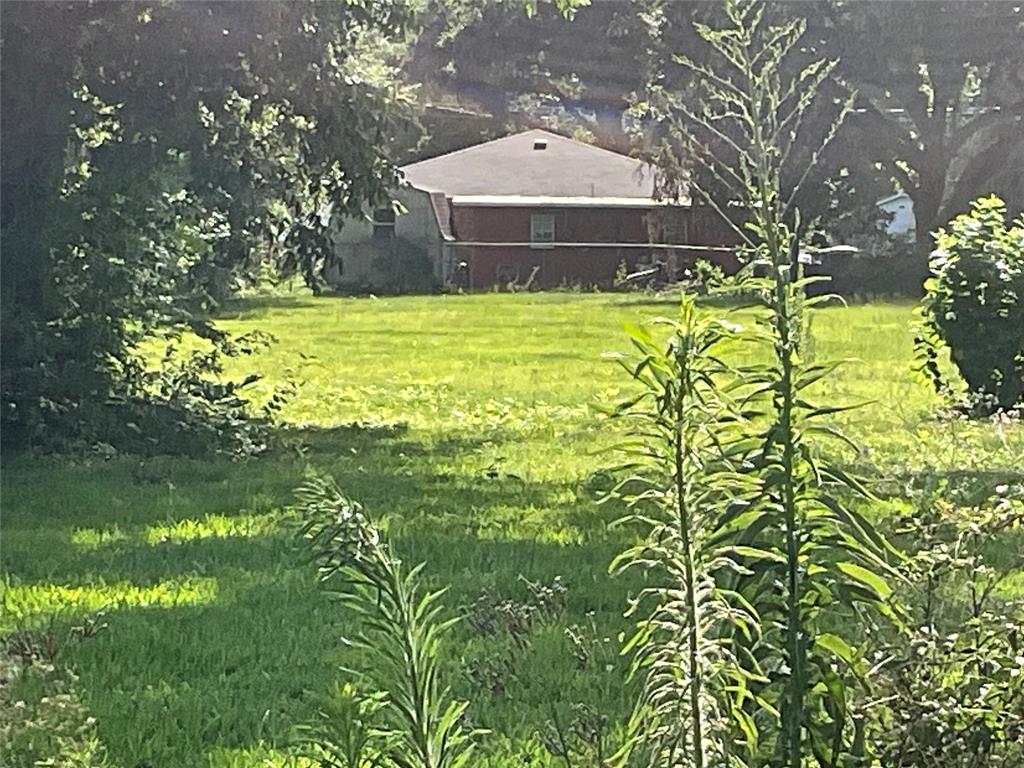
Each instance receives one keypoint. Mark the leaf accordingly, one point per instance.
(836, 646)
(755, 553)
(867, 577)
(749, 728)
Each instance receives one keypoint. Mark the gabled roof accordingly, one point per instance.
(534, 164)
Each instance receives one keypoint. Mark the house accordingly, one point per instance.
(533, 207)
(900, 221)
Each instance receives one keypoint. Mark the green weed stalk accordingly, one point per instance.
(809, 562)
(683, 475)
(402, 627)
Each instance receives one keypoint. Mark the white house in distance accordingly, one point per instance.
(900, 207)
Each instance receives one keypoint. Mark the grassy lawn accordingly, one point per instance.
(466, 422)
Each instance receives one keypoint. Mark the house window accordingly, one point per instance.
(542, 230)
(384, 223)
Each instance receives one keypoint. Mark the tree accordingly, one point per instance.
(152, 152)
(940, 98)
(939, 107)
(568, 57)
(939, 84)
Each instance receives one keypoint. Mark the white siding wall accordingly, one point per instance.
(357, 249)
(903, 222)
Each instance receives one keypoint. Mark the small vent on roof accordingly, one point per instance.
(540, 143)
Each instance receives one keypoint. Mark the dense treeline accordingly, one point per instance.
(940, 86)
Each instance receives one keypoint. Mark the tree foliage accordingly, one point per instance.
(162, 152)
(940, 108)
(938, 84)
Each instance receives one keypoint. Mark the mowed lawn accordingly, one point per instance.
(467, 424)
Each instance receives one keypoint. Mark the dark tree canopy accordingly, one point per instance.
(940, 105)
(155, 153)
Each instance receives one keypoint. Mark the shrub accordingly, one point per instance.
(403, 267)
(953, 681)
(974, 304)
(706, 277)
(44, 720)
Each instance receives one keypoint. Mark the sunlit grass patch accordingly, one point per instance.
(262, 755)
(26, 605)
(92, 538)
(212, 527)
(1012, 587)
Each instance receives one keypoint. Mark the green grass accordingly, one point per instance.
(466, 423)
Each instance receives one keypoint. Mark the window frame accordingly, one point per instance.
(549, 228)
(383, 222)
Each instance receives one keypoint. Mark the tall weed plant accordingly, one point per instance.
(808, 568)
(687, 473)
(406, 718)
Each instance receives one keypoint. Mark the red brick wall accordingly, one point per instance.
(586, 266)
(571, 224)
(564, 265)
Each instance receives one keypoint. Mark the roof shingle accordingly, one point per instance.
(513, 166)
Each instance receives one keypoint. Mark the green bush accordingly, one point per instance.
(974, 303)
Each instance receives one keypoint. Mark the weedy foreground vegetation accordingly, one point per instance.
(177, 593)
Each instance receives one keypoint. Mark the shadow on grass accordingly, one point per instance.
(170, 684)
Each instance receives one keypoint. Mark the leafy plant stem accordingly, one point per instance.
(768, 188)
(693, 628)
